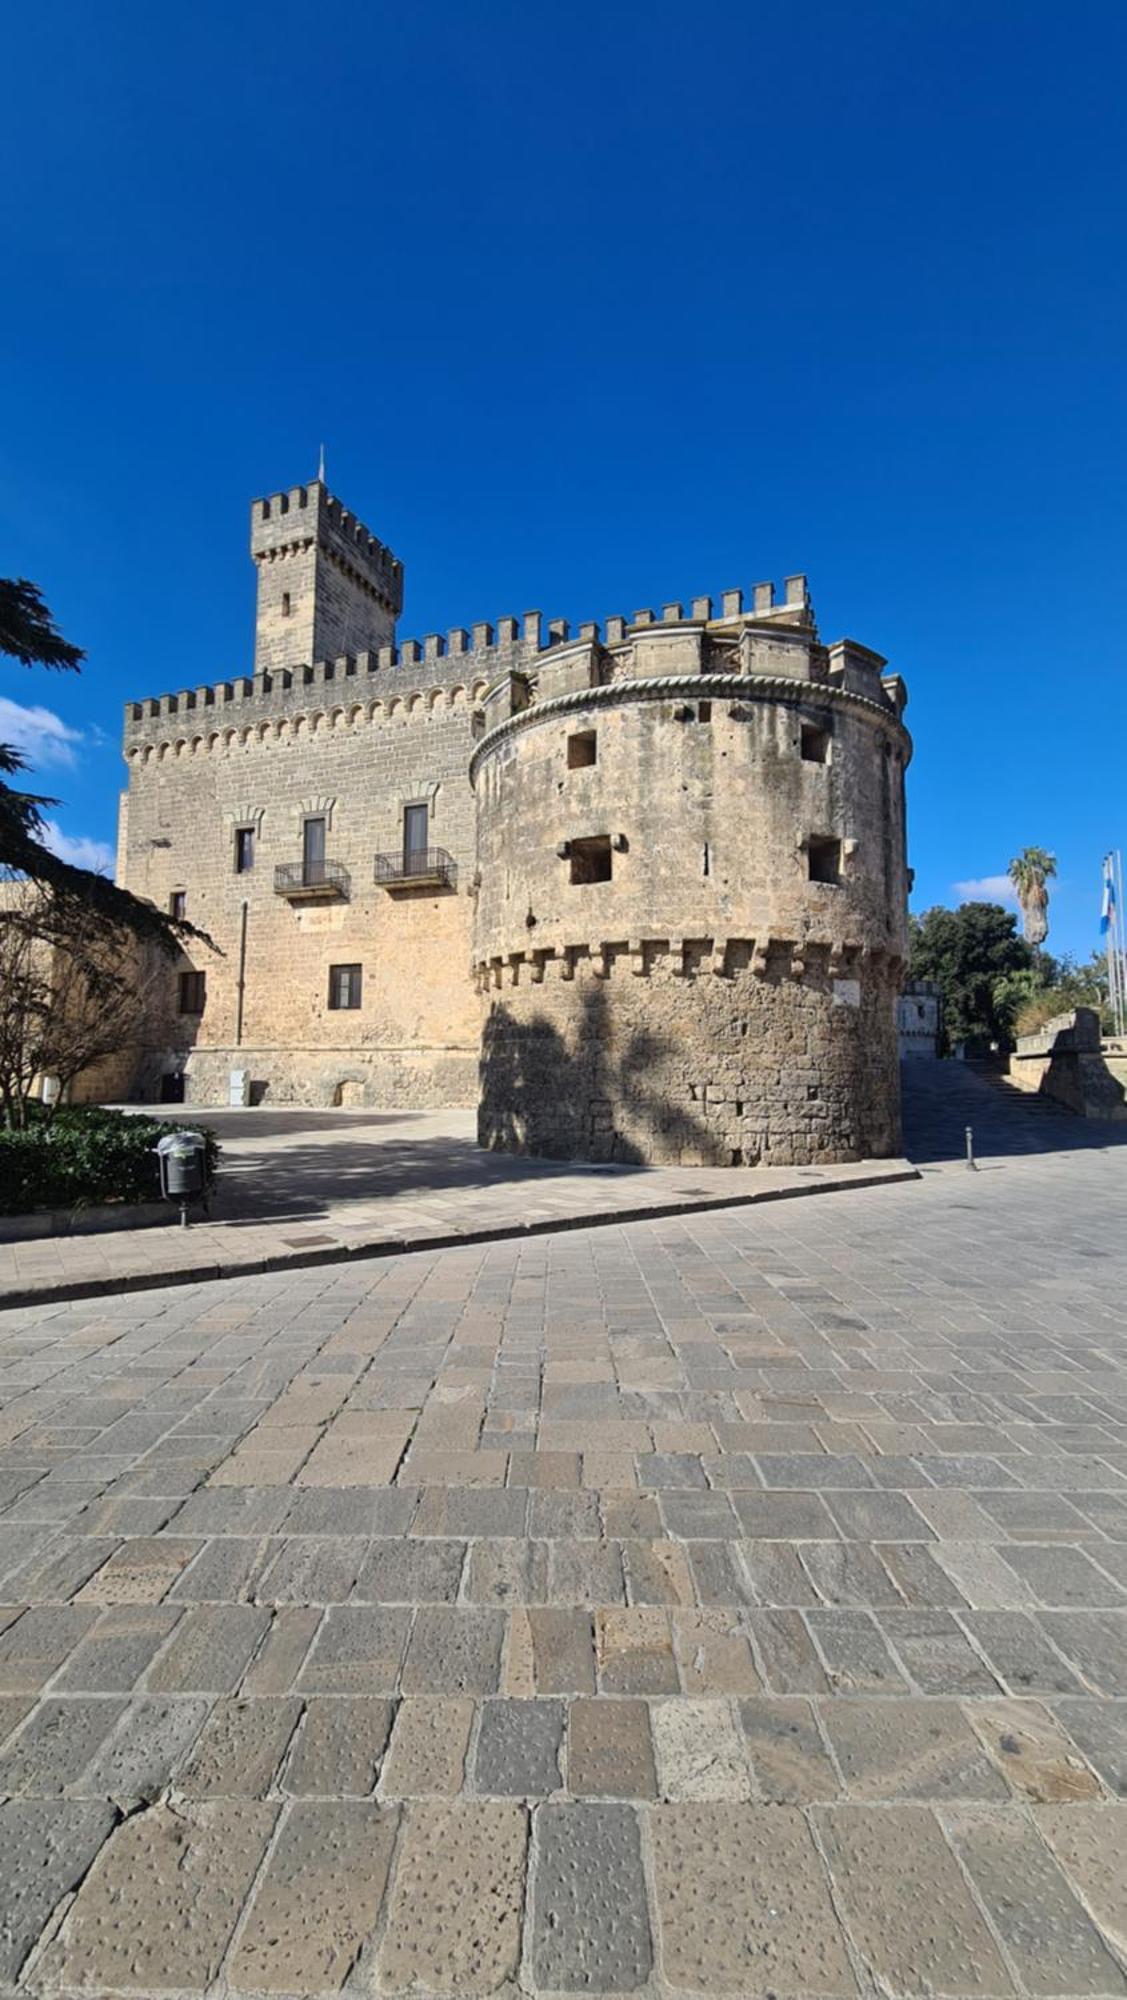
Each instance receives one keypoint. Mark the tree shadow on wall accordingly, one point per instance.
(540, 1097)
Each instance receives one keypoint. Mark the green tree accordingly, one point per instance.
(28, 635)
(982, 966)
(1067, 984)
(1029, 872)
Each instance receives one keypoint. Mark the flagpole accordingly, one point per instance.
(1115, 969)
(1107, 915)
(1119, 943)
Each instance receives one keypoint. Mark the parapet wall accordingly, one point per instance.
(522, 650)
(1064, 1060)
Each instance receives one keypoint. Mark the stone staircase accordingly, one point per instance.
(941, 1098)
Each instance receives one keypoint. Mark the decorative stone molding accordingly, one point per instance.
(316, 807)
(246, 815)
(692, 958)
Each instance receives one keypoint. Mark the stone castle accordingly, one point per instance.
(638, 892)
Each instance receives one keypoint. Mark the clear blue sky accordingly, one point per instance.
(594, 307)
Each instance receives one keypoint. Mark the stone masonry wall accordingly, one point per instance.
(699, 1061)
(414, 1039)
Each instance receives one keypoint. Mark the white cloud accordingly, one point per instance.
(42, 735)
(986, 889)
(79, 849)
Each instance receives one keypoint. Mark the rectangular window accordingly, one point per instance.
(415, 832)
(313, 851)
(815, 744)
(582, 750)
(345, 983)
(193, 992)
(591, 859)
(824, 854)
(178, 904)
(285, 604)
(244, 849)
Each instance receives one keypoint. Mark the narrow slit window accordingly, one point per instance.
(824, 855)
(582, 750)
(178, 904)
(244, 849)
(591, 859)
(286, 607)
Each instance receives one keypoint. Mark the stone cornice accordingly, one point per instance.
(669, 687)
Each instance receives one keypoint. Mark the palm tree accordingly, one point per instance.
(1029, 871)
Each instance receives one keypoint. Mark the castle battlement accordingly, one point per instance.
(286, 523)
(485, 650)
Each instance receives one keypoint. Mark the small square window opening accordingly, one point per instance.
(591, 859)
(345, 984)
(815, 744)
(582, 750)
(824, 855)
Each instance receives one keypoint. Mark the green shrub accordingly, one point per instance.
(85, 1155)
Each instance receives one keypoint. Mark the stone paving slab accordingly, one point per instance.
(729, 1603)
(380, 1186)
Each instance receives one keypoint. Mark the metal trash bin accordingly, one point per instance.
(182, 1160)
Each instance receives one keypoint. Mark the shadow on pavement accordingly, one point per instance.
(940, 1099)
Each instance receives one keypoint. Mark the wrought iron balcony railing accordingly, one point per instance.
(312, 879)
(418, 868)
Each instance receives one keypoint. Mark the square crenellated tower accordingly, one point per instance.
(326, 587)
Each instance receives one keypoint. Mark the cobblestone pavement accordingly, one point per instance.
(730, 1604)
(298, 1187)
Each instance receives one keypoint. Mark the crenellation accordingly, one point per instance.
(732, 604)
(280, 683)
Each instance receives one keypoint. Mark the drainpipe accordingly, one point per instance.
(242, 978)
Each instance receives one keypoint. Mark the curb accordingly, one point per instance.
(452, 1239)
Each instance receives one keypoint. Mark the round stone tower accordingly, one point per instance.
(691, 892)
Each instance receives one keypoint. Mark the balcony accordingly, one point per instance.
(420, 868)
(312, 881)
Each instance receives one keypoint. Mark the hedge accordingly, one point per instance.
(85, 1155)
